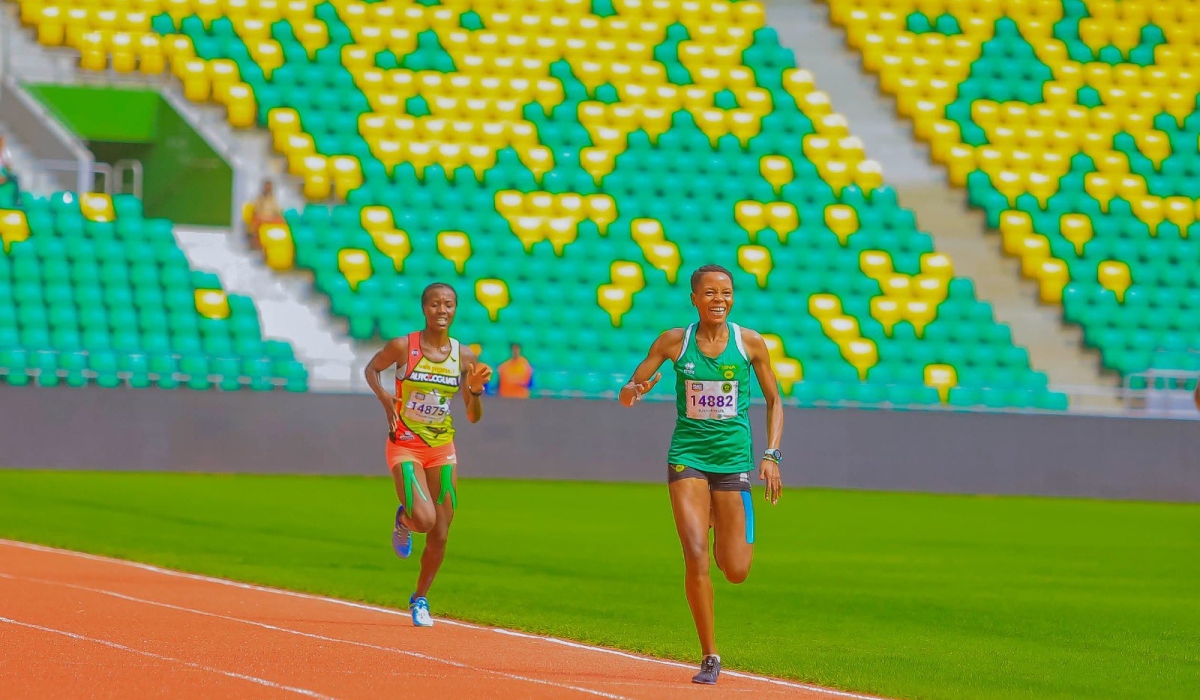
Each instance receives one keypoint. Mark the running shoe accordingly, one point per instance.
(419, 607)
(401, 537)
(710, 668)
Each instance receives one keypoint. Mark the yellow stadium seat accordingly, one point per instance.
(930, 287)
(151, 60)
(943, 378)
(628, 275)
(455, 246)
(124, 53)
(920, 313)
(841, 329)
(1114, 275)
(896, 286)
(355, 264)
(347, 175)
(937, 265)
(751, 216)
(664, 256)
(394, 244)
(212, 303)
(1150, 210)
(616, 300)
(493, 295)
(782, 218)
(842, 220)
(756, 260)
(376, 218)
(96, 206)
(824, 306)
(13, 227)
(1076, 228)
(646, 231)
(887, 312)
(561, 231)
(1180, 211)
(776, 170)
(1034, 249)
(1052, 277)
(314, 169)
(243, 112)
(788, 371)
(862, 354)
(278, 248)
(530, 230)
(875, 263)
(1014, 227)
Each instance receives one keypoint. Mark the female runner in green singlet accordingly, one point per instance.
(711, 452)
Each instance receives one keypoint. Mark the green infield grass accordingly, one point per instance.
(903, 595)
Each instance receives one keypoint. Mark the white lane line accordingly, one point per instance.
(160, 657)
(312, 635)
(391, 611)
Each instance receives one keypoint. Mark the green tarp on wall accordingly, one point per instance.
(184, 178)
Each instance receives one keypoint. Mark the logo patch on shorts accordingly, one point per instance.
(678, 468)
(405, 436)
(744, 478)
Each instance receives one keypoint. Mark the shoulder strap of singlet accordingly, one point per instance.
(414, 353)
(454, 356)
(687, 338)
(736, 332)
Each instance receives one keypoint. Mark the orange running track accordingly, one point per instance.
(76, 625)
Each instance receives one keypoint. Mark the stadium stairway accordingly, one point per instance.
(943, 211)
(286, 307)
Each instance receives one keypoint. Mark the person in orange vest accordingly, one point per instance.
(516, 375)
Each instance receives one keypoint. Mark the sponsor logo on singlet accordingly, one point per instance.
(689, 368)
(431, 378)
(728, 371)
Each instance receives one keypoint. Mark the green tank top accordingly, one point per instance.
(712, 425)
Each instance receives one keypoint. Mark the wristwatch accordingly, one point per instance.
(774, 455)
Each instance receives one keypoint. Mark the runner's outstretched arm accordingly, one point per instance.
(760, 360)
(665, 347)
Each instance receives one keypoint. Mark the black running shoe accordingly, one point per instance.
(710, 668)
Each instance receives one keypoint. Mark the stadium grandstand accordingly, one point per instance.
(565, 164)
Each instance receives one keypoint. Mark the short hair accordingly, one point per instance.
(701, 271)
(434, 287)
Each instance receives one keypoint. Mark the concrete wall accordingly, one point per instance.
(599, 440)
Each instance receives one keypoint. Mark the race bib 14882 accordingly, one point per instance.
(712, 400)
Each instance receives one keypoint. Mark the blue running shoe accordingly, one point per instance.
(401, 537)
(419, 607)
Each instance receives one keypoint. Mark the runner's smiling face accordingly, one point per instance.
(713, 297)
(440, 305)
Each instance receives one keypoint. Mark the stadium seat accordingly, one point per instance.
(95, 293)
(570, 168)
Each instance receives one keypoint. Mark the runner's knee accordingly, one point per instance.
(423, 517)
(736, 572)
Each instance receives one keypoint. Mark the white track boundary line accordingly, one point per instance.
(391, 611)
(312, 635)
(160, 657)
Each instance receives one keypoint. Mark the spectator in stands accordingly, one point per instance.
(9, 191)
(264, 210)
(516, 375)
